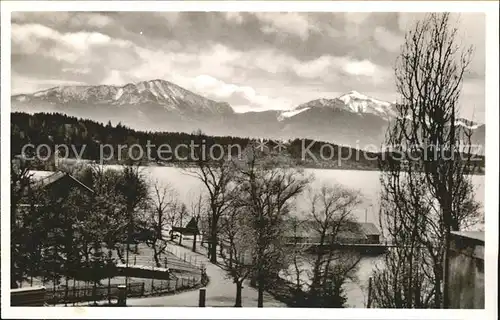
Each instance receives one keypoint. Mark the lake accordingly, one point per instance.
(367, 182)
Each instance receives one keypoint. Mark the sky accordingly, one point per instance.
(252, 60)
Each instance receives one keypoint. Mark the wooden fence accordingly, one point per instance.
(33, 296)
(89, 293)
(157, 281)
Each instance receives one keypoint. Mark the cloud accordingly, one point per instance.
(251, 60)
(115, 77)
(70, 47)
(471, 29)
(21, 84)
(71, 20)
(317, 68)
(330, 68)
(235, 17)
(243, 98)
(77, 71)
(291, 23)
(388, 40)
(211, 71)
(97, 20)
(360, 68)
(222, 62)
(215, 72)
(172, 18)
(357, 17)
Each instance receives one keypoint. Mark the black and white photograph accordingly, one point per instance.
(249, 158)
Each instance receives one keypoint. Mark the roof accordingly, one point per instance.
(27, 289)
(348, 234)
(45, 178)
(469, 239)
(192, 225)
(369, 229)
(476, 235)
(38, 175)
(305, 229)
(190, 228)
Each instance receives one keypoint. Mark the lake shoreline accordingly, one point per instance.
(176, 165)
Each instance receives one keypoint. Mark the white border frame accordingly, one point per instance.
(491, 179)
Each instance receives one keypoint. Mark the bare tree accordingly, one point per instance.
(197, 210)
(134, 189)
(110, 203)
(173, 217)
(406, 278)
(238, 246)
(329, 219)
(163, 200)
(182, 214)
(434, 195)
(215, 176)
(20, 180)
(298, 264)
(267, 187)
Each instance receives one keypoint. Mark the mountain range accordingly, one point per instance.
(353, 119)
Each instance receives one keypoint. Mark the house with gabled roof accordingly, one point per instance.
(190, 229)
(53, 180)
(58, 184)
(349, 233)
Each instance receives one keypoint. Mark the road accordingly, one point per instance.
(220, 292)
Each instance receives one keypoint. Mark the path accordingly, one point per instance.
(220, 292)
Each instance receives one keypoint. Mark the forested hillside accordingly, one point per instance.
(90, 137)
(115, 143)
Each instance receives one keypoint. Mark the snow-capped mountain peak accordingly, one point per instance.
(353, 95)
(353, 102)
(351, 119)
(156, 92)
(357, 102)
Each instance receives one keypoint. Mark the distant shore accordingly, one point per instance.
(320, 166)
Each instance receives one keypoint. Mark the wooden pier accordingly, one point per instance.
(364, 238)
(363, 248)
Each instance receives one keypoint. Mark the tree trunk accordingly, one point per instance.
(13, 283)
(213, 238)
(260, 288)
(409, 285)
(109, 290)
(156, 256)
(253, 281)
(446, 267)
(54, 289)
(120, 254)
(239, 288)
(260, 298)
(74, 291)
(213, 249)
(317, 264)
(94, 292)
(66, 292)
(437, 287)
(194, 243)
